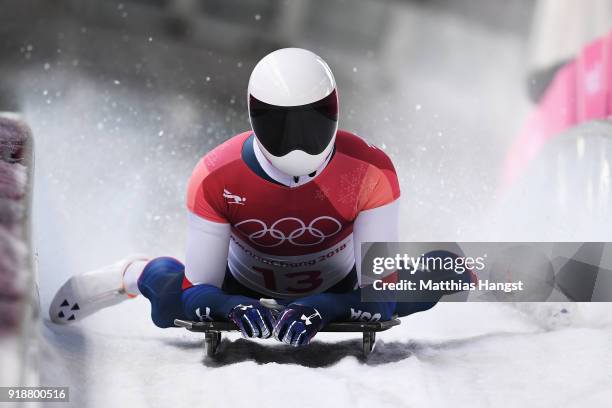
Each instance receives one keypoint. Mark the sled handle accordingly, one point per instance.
(183, 323)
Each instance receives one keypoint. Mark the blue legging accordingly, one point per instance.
(161, 283)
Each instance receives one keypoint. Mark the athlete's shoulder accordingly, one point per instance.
(226, 153)
(354, 146)
(209, 174)
(379, 183)
(219, 158)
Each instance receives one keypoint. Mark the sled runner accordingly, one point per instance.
(212, 331)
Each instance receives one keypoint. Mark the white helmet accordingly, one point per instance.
(293, 107)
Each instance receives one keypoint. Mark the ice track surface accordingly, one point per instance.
(475, 355)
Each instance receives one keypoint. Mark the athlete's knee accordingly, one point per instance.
(164, 264)
(161, 282)
(160, 269)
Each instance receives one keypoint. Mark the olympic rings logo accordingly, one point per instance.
(304, 235)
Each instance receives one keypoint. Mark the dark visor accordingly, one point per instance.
(282, 129)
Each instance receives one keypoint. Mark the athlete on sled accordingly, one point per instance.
(279, 211)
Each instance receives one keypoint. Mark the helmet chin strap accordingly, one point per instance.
(279, 175)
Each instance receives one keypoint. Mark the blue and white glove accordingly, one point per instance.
(253, 320)
(297, 325)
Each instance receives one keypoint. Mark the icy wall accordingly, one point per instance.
(16, 274)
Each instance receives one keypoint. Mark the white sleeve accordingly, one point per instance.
(207, 247)
(380, 224)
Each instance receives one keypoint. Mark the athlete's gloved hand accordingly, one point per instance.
(297, 325)
(253, 320)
